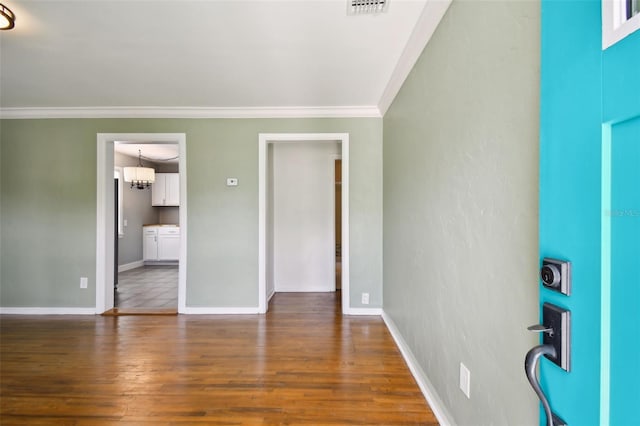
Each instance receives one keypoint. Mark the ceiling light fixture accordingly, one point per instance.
(140, 177)
(7, 18)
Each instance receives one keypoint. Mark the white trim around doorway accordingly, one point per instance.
(105, 207)
(264, 139)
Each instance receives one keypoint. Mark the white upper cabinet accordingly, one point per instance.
(165, 191)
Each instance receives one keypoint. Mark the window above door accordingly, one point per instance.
(619, 19)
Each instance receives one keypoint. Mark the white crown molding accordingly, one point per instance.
(47, 311)
(425, 385)
(191, 112)
(427, 23)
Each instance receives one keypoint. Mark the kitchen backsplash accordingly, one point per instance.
(169, 215)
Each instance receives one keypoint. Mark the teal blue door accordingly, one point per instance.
(590, 210)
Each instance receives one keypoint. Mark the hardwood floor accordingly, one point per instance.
(302, 363)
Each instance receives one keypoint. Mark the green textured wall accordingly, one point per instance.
(48, 206)
(48, 214)
(461, 207)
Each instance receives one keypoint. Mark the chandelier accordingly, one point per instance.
(140, 177)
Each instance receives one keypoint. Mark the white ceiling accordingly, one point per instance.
(158, 153)
(185, 54)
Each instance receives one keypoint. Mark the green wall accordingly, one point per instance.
(461, 206)
(48, 214)
(48, 206)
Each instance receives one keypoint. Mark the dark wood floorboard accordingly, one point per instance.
(302, 363)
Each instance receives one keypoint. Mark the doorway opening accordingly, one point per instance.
(321, 266)
(147, 240)
(112, 224)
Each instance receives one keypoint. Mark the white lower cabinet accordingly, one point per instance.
(150, 243)
(168, 243)
(161, 243)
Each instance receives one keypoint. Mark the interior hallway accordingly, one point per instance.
(301, 363)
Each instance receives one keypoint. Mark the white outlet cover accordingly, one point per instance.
(365, 298)
(465, 380)
(232, 181)
(84, 281)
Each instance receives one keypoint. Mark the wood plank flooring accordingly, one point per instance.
(302, 363)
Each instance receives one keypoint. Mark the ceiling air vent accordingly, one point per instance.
(359, 7)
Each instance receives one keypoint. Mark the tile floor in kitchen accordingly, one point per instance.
(150, 286)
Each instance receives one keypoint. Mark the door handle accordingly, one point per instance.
(540, 328)
(556, 347)
(530, 366)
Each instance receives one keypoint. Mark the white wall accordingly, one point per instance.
(303, 216)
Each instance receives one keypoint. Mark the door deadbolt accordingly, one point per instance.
(550, 275)
(556, 275)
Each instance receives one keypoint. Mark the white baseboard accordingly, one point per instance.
(429, 392)
(129, 266)
(219, 311)
(363, 311)
(161, 262)
(48, 311)
(296, 289)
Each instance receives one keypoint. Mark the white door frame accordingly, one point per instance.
(332, 167)
(263, 140)
(105, 208)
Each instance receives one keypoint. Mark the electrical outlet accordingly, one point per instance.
(232, 181)
(365, 298)
(465, 380)
(84, 281)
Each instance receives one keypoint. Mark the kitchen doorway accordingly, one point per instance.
(106, 225)
(147, 237)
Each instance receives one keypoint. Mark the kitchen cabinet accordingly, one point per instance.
(165, 191)
(150, 243)
(161, 243)
(168, 243)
